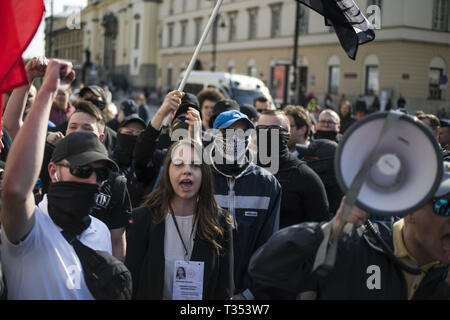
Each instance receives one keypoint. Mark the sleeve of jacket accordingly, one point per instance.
(225, 288)
(137, 243)
(143, 155)
(286, 260)
(316, 201)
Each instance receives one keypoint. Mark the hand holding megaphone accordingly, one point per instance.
(356, 218)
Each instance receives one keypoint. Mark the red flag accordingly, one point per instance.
(19, 21)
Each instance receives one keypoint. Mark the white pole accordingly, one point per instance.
(200, 45)
(197, 50)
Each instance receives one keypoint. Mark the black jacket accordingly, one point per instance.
(304, 197)
(286, 261)
(145, 259)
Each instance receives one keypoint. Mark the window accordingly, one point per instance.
(170, 35)
(333, 79)
(253, 23)
(275, 29)
(436, 72)
(171, 7)
(251, 71)
(199, 4)
(434, 75)
(374, 3)
(185, 5)
(304, 20)
(232, 30)
(136, 36)
(183, 33)
(440, 15)
(198, 29)
(371, 84)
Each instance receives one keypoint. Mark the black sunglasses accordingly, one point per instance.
(440, 207)
(262, 127)
(85, 171)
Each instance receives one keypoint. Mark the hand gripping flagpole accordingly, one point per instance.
(197, 51)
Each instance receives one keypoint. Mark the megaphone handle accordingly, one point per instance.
(348, 228)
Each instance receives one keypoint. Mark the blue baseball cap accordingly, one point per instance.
(227, 118)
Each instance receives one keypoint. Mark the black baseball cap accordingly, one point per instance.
(188, 100)
(97, 91)
(319, 148)
(222, 106)
(129, 107)
(249, 111)
(82, 148)
(132, 118)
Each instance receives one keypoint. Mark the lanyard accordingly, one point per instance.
(186, 252)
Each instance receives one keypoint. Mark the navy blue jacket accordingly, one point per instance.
(253, 198)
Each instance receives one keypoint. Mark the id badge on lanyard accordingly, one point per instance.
(187, 275)
(188, 280)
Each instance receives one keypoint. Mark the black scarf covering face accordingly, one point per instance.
(70, 203)
(265, 145)
(123, 153)
(330, 135)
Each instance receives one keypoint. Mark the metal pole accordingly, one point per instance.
(294, 97)
(197, 51)
(214, 46)
(51, 31)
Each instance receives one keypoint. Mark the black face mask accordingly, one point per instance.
(330, 135)
(265, 145)
(70, 203)
(124, 148)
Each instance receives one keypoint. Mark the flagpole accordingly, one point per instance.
(197, 51)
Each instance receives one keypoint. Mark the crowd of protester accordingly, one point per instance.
(238, 194)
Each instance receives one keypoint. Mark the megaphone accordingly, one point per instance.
(405, 165)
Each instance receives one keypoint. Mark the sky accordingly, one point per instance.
(37, 45)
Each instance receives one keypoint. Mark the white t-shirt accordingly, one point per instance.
(173, 248)
(45, 266)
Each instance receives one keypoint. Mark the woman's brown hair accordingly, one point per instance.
(207, 213)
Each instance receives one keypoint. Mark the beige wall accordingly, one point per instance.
(395, 59)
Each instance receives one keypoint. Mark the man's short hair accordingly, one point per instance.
(260, 99)
(211, 94)
(300, 116)
(92, 110)
(433, 120)
(332, 113)
(276, 113)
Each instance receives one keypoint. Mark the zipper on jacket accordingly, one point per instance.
(231, 200)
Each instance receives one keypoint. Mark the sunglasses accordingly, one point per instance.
(440, 207)
(272, 127)
(86, 171)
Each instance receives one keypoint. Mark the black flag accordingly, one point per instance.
(351, 26)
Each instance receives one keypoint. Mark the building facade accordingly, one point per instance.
(64, 40)
(410, 56)
(119, 43)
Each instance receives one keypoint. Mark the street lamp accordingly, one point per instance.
(294, 87)
(214, 39)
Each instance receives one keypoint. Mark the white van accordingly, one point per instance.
(243, 89)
